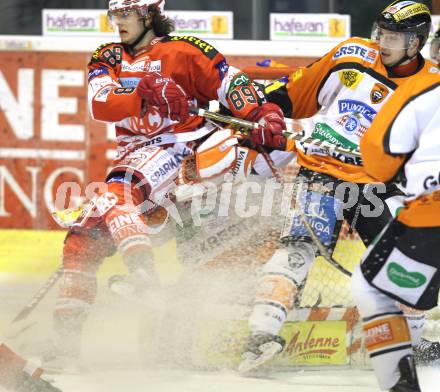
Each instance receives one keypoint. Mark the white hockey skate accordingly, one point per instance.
(259, 349)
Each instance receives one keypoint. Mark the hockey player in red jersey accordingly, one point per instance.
(19, 375)
(336, 98)
(144, 84)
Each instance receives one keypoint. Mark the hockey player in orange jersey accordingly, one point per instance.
(336, 98)
(403, 263)
(144, 84)
(20, 375)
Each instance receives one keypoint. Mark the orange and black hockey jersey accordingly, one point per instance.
(406, 133)
(338, 96)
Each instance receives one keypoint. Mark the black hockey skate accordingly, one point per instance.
(426, 352)
(408, 381)
(25, 383)
(260, 348)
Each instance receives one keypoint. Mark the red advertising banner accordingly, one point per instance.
(50, 150)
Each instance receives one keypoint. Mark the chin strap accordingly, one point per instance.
(402, 60)
(406, 69)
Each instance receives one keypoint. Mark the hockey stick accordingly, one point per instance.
(38, 297)
(237, 122)
(326, 147)
(322, 249)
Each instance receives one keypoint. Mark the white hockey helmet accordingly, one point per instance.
(141, 6)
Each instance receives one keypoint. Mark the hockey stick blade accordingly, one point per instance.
(322, 249)
(325, 146)
(38, 297)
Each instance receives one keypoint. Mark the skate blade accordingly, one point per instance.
(252, 363)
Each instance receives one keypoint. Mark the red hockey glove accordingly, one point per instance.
(270, 132)
(166, 94)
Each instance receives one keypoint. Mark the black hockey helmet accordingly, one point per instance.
(409, 17)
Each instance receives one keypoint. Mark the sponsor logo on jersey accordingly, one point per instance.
(129, 82)
(205, 48)
(150, 124)
(350, 78)
(352, 125)
(97, 72)
(142, 66)
(403, 278)
(167, 169)
(353, 106)
(326, 133)
(356, 50)
(124, 90)
(378, 93)
(223, 68)
(103, 94)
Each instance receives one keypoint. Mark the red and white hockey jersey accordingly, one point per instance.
(115, 71)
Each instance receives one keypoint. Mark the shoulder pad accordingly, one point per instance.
(207, 49)
(110, 53)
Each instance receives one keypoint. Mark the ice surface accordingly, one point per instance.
(193, 381)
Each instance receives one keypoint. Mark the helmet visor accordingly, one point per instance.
(435, 49)
(122, 16)
(395, 40)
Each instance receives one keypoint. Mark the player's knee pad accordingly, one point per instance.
(292, 261)
(368, 299)
(128, 230)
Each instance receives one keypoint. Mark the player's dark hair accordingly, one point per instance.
(160, 24)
